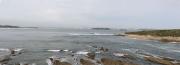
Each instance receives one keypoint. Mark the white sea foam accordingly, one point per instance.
(90, 34)
(4, 49)
(176, 51)
(119, 54)
(174, 42)
(54, 50)
(132, 50)
(18, 50)
(58, 50)
(15, 49)
(82, 52)
(66, 50)
(98, 52)
(49, 62)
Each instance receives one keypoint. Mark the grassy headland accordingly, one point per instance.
(172, 35)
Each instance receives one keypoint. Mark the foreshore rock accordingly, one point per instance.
(88, 57)
(57, 62)
(86, 62)
(91, 55)
(160, 60)
(12, 51)
(176, 63)
(103, 49)
(106, 61)
(4, 56)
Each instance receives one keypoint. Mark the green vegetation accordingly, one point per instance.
(173, 33)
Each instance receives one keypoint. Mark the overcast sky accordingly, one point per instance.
(91, 13)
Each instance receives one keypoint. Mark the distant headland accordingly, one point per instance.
(12, 26)
(171, 35)
(9, 26)
(101, 28)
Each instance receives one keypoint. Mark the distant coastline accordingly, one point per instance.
(12, 26)
(160, 35)
(101, 28)
(9, 26)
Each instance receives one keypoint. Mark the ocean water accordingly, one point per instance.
(37, 42)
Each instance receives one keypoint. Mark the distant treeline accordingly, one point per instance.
(9, 26)
(173, 32)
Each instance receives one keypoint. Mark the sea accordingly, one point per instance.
(38, 44)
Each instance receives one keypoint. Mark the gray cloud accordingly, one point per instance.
(89, 13)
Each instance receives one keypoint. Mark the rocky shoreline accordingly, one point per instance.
(158, 38)
(89, 57)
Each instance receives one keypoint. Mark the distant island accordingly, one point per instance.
(11, 26)
(172, 35)
(101, 28)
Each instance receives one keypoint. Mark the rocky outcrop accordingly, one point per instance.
(7, 54)
(57, 62)
(12, 51)
(103, 49)
(91, 55)
(86, 62)
(4, 56)
(176, 63)
(160, 60)
(106, 61)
